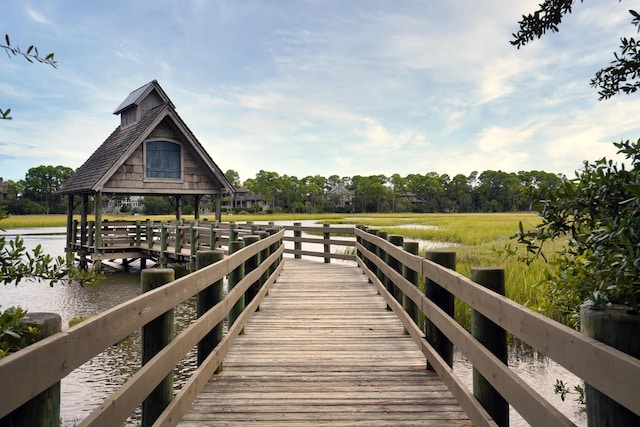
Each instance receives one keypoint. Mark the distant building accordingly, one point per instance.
(340, 196)
(245, 200)
(115, 205)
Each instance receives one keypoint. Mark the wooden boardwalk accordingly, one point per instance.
(324, 350)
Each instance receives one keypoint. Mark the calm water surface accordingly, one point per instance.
(86, 387)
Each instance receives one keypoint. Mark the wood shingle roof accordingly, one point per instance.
(125, 142)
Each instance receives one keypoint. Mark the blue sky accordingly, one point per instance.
(322, 87)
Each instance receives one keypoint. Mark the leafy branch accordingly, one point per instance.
(561, 388)
(16, 264)
(32, 55)
(623, 73)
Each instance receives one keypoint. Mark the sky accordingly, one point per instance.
(320, 87)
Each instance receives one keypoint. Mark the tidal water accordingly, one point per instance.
(86, 387)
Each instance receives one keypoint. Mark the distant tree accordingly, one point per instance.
(157, 205)
(233, 177)
(31, 55)
(458, 194)
(269, 184)
(371, 193)
(623, 75)
(313, 189)
(42, 183)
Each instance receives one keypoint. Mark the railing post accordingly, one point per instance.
(207, 298)
(412, 276)
(616, 326)
(193, 239)
(90, 233)
(264, 254)
(233, 233)
(397, 240)
(178, 237)
(74, 233)
(233, 279)
(138, 234)
(382, 255)
(327, 246)
(297, 244)
(155, 336)
(272, 248)
(493, 338)
(359, 240)
(149, 234)
(213, 237)
(162, 260)
(250, 265)
(445, 301)
(43, 409)
(371, 248)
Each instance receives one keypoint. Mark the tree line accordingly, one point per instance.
(489, 191)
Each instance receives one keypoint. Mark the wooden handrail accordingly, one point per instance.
(575, 351)
(52, 359)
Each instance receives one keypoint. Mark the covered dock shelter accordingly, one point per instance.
(151, 153)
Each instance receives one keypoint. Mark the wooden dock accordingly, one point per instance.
(324, 350)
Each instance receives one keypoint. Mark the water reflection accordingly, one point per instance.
(84, 389)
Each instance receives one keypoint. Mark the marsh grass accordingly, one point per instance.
(478, 240)
(474, 238)
(34, 221)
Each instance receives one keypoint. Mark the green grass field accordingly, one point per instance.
(477, 240)
(474, 238)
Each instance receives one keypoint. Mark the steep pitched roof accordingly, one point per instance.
(139, 94)
(87, 176)
(116, 149)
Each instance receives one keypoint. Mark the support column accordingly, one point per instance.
(98, 212)
(219, 207)
(70, 241)
(178, 208)
(196, 206)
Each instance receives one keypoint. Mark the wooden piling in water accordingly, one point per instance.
(233, 279)
(327, 247)
(397, 240)
(155, 336)
(412, 276)
(44, 409)
(250, 265)
(494, 338)
(443, 299)
(297, 243)
(208, 298)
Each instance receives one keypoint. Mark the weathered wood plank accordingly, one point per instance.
(323, 349)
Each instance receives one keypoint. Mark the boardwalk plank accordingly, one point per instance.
(324, 350)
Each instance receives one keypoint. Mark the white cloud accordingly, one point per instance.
(37, 17)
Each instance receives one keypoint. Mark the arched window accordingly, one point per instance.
(163, 160)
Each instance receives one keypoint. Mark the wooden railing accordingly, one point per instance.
(324, 238)
(175, 240)
(611, 371)
(393, 270)
(32, 370)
